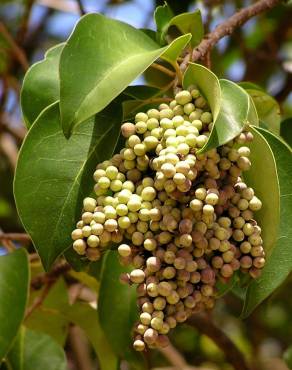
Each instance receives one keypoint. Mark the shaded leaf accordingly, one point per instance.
(263, 166)
(15, 356)
(87, 319)
(162, 15)
(14, 282)
(89, 81)
(48, 318)
(53, 175)
(286, 130)
(118, 310)
(190, 23)
(279, 264)
(41, 85)
(267, 108)
(41, 352)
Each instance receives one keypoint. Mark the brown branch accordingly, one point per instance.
(39, 299)
(21, 237)
(15, 49)
(23, 28)
(81, 7)
(233, 355)
(58, 270)
(227, 28)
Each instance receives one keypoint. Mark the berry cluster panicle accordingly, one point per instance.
(181, 219)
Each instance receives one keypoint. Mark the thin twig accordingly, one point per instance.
(163, 69)
(81, 7)
(233, 355)
(15, 48)
(58, 270)
(21, 237)
(227, 28)
(23, 28)
(80, 348)
(39, 299)
(175, 358)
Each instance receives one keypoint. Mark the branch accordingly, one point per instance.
(227, 28)
(15, 49)
(21, 237)
(81, 7)
(45, 278)
(232, 353)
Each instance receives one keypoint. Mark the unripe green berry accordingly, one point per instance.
(183, 97)
(89, 204)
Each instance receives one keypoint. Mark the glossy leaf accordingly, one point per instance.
(14, 358)
(40, 351)
(228, 102)
(89, 80)
(41, 85)
(279, 264)
(87, 319)
(117, 310)
(54, 174)
(207, 83)
(14, 283)
(267, 191)
(286, 130)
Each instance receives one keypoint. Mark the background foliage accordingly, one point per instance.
(259, 52)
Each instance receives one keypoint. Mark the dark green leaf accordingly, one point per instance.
(162, 16)
(53, 175)
(87, 319)
(42, 352)
(279, 264)
(117, 310)
(14, 282)
(286, 130)
(15, 356)
(100, 59)
(41, 85)
(263, 166)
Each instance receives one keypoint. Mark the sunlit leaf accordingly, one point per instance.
(279, 264)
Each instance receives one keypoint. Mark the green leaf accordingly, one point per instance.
(207, 82)
(173, 51)
(15, 356)
(263, 166)
(14, 283)
(229, 104)
(287, 356)
(286, 130)
(42, 352)
(47, 318)
(190, 23)
(100, 59)
(267, 108)
(118, 310)
(162, 16)
(41, 85)
(279, 264)
(186, 23)
(86, 318)
(53, 175)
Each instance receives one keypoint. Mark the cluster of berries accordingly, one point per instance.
(181, 217)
